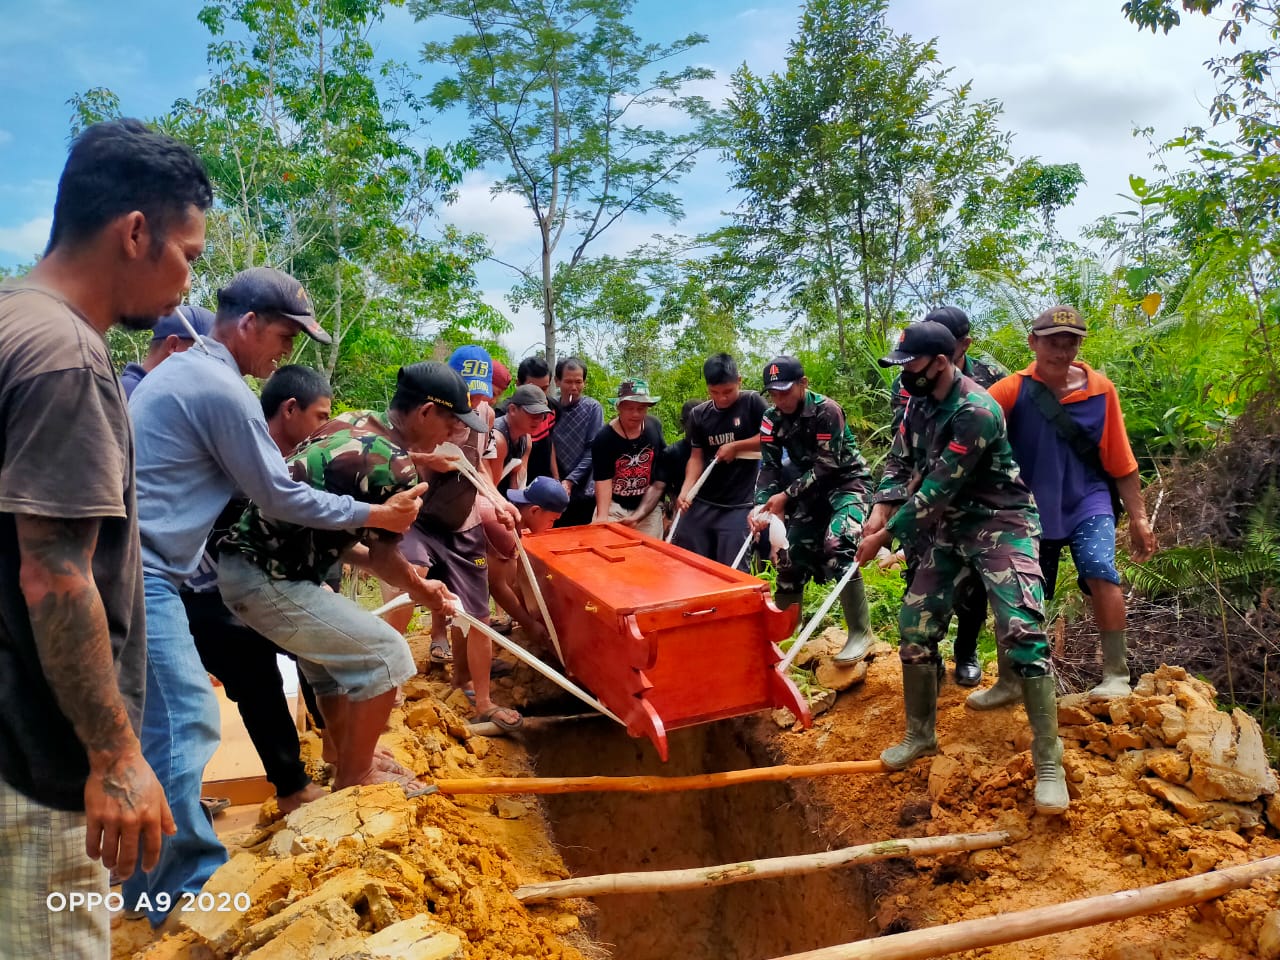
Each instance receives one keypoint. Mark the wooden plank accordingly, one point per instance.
(239, 791)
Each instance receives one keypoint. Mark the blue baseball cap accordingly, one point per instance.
(542, 492)
(172, 325)
(476, 368)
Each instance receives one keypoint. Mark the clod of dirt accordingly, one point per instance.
(1163, 785)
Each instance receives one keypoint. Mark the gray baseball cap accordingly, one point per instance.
(272, 292)
(530, 398)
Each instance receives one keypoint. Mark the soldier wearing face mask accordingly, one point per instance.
(950, 480)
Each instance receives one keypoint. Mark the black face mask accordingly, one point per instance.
(920, 384)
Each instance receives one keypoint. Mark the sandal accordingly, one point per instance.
(440, 652)
(214, 805)
(508, 726)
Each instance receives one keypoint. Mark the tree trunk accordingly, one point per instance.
(548, 303)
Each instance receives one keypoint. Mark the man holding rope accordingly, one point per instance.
(725, 431)
(951, 481)
(824, 506)
(272, 572)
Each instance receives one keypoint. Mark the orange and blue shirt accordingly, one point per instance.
(1066, 490)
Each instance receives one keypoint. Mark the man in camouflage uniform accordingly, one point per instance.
(272, 572)
(971, 596)
(824, 505)
(951, 478)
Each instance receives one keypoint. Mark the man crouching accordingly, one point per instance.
(272, 572)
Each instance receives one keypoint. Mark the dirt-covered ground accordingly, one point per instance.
(1134, 768)
(1163, 785)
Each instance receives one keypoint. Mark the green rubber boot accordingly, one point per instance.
(1115, 667)
(1006, 690)
(1046, 749)
(857, 618)
(920, 696)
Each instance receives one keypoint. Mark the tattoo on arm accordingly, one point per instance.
(69, 624)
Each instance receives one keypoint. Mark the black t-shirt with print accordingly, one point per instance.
(730, 484)
(630, 464)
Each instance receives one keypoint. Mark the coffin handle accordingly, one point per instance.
(699, 613)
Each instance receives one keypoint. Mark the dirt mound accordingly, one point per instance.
(1163, 786)
(366, 873)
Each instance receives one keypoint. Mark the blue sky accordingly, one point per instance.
(1075, 79)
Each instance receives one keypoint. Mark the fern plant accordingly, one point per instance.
(1196, 574)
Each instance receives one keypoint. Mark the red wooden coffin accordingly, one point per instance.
(663, 637)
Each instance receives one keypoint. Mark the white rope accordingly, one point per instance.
(491, 492)
(817, 618)
(526, 657)
(693, 492)
(191, 330)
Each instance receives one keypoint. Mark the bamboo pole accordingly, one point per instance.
(656, 881)
(1042, 921)
(704, 781)
(486, 728)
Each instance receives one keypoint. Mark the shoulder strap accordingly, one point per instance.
(1066, 427)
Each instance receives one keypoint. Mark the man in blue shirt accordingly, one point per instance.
(201, 436)
(579, 419)
(171, 335)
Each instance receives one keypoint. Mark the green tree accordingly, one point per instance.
(869, 181)
(313, 148)
(567, 98)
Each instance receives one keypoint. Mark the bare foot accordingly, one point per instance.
(294, 800)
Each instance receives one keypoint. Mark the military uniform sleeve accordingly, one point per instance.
(386, 471)
(898, 465)
(769, 479)
(898, 400)
(832, 452)
(974, 428)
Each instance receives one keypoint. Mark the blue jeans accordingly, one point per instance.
(180, 731)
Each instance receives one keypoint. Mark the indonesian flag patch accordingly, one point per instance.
(959, 448)
(766, 428)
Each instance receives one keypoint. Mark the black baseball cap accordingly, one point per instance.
(781, 373)
(953, 318)
(924, 339)
(438, 383)
(201, 321)
(272, 292)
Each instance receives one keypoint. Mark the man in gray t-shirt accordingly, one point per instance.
(74, 787)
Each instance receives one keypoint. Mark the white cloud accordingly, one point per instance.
(27, 240)
(1075, 79)
(6, 138)
(502, 217)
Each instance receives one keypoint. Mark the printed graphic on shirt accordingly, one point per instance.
(632, 473)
